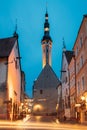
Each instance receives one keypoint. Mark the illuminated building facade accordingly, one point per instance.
(65, 80)
(77, 75)
(10, 78)
(80, 49)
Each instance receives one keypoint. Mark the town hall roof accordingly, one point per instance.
(47, 78)
(6, 45)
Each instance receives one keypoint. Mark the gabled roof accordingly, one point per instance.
(47, 78)
(69, 55)
(6, 45)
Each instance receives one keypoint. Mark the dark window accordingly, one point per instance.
(78, 89)
(78, 67)
(66, 91)
(66, 80)
(76, 51)
(16, 46)
(86, 116)
(83, 83)
(68, 101)
(80, 42)
(41, 91)
(81, 61)
(16, 64)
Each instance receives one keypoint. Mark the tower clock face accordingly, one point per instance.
(46, 29)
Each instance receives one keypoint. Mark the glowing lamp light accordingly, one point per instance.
(77, 105)
(29, 110)
(57, 106)
(46, 29)
(22, 104)
(86, 99)
(38, 107)
(82, 98)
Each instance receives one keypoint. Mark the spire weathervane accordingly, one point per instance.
(15, 32)
(64, 46)
(46, 6)
(16, 26)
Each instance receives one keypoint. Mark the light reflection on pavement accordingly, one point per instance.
(37, 125)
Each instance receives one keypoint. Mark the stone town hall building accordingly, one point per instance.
(45, 87)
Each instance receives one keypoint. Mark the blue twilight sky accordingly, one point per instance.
(65, 17)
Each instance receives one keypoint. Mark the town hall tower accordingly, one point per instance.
(46, 43)
(45, 86)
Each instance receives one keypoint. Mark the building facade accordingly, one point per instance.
(10, 78)
(65, 81)
(77, 76)
(73, 90)
(80, 49)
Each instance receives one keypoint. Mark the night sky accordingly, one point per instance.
(65, 17)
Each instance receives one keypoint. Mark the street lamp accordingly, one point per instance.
(84, 99)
